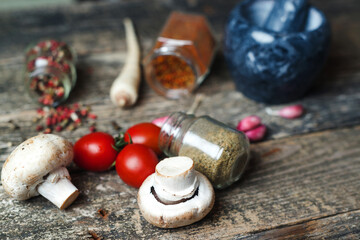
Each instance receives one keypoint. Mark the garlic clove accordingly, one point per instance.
(248, 123)
(257, 133)
(292, 112)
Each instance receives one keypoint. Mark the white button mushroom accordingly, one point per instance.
(176, 194)
(37, 166)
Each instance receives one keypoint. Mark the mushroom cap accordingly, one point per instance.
(180, 213)
(33, 159)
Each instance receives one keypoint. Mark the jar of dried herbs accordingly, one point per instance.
(182, 55)
(50, 72)
(218, 151)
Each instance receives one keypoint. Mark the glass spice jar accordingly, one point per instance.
(181, 57)
(220, 152)
(50, 72)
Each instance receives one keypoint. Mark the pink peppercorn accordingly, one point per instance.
(39, 128)
(92, 128)
(92, 116)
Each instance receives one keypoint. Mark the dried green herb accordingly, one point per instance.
(219, 152)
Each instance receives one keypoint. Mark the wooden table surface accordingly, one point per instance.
(303, 180)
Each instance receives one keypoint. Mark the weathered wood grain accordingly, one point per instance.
(304, 186)
(340, 226)
(95, 31)
(290, 183)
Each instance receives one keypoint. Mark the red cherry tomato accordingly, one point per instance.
(144, 133)
(135, 163)
(94, 152)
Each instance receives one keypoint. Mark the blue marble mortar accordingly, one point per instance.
(271, 63)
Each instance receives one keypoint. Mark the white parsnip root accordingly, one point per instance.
(124, 90)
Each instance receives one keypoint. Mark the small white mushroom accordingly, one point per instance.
(176, 194)
(38, 166)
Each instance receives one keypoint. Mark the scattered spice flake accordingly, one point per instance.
(13, 126)
(116, 126)
(64, 118)
(47, 130)
(271, 152)
(92, 129)
(103, 213)
(39, 128)
(94, 235)
(92, 116)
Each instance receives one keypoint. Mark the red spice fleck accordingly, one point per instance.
(83, 112)
(40, 111)
(39, 128)
(53, 120)
(92, 129)
(48, 121)
(92, 116)
(47, 130)
(64, 118)
(271, 152)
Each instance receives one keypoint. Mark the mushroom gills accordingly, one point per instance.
(176, 194)
(153, 192)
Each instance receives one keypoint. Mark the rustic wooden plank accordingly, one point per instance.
(289, 182)
(332, 104)
(96, 33)
(340, 226)
(83, 24)
(292, 183)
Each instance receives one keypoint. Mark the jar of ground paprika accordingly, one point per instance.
(50, 72)
(181, 57)
(220, 152)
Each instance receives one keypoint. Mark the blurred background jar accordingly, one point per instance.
(181, 57)
(50, 72)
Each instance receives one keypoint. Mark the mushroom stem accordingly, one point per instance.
(175, 179)
(58, 189)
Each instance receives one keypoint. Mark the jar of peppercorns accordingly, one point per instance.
(181, 57)
(50, 72)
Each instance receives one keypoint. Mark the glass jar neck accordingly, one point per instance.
(173, 131)
(48, 85)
